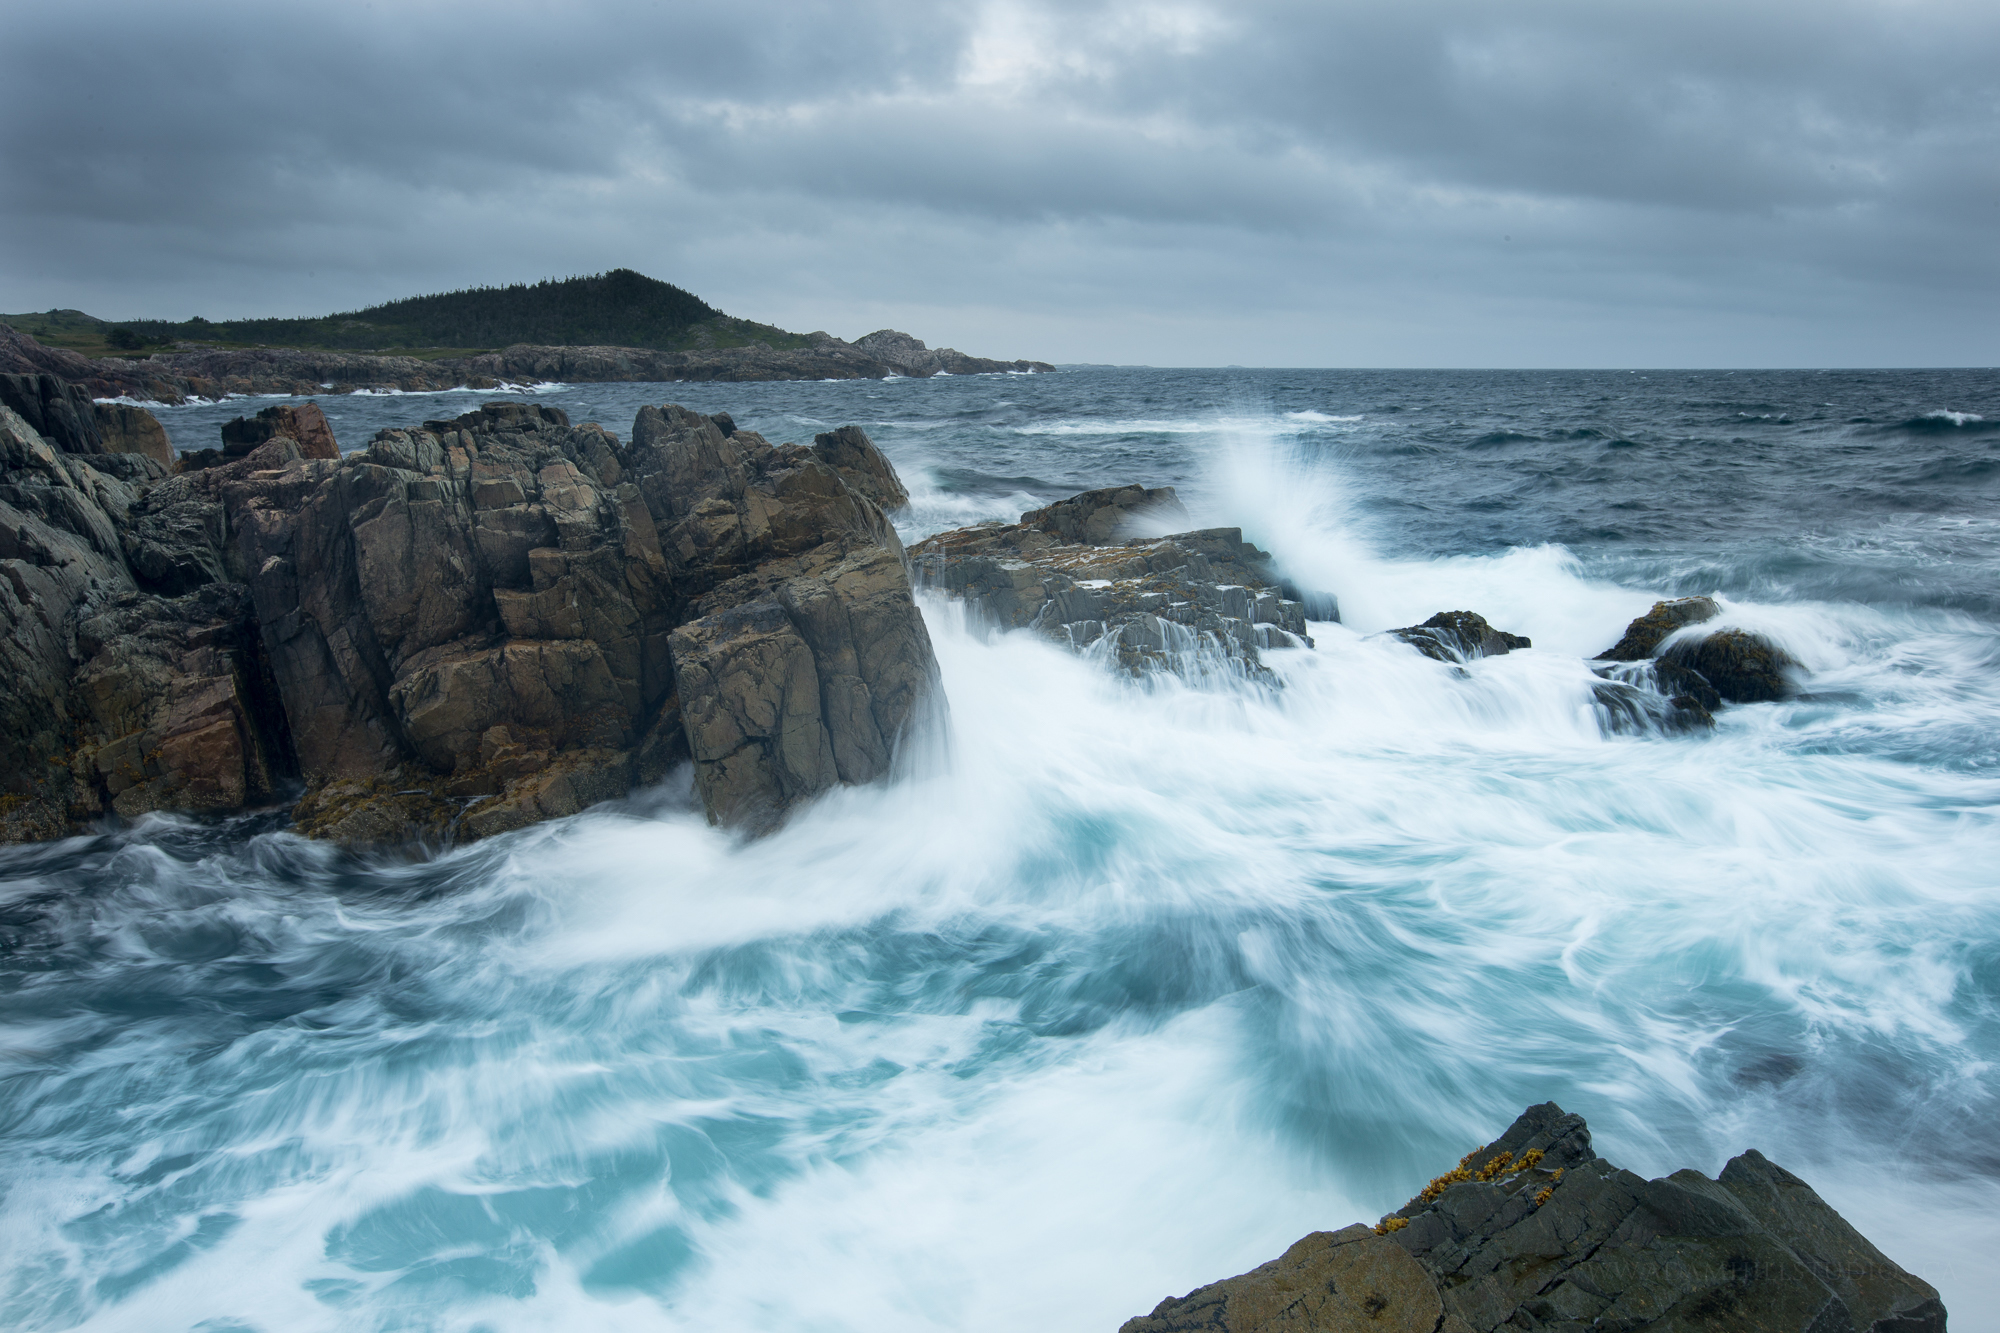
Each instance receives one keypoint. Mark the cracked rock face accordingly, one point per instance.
(1192, 603)
(456, 631)
(1535, 1231)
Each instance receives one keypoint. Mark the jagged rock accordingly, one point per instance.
(861, 465)
(456, 631)
(1459, 636)
(126, 429)
(1743, 668)
(55, 409)
(909, 356)
(1645, 634)
(304, 424)
(1194, 603)
(1535, 1231)
(178, 709)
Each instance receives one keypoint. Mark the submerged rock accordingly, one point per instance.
(1535, 1231)
(1460, 636)
(1193, 603)
(1695, 674)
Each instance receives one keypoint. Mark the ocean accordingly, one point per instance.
(1139, 982)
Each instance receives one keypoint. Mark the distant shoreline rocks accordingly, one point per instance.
(195, 372)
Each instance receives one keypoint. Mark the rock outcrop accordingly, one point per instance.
(1459, 636)
(126, 429)
(1535, 1231)
(457, 630)
(1655, 677)
(1192, 603)
(196, 371)
(53, 408)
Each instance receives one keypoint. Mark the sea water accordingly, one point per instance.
(1126, 988)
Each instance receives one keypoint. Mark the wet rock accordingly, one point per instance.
(861, 465)
(1196, 603)
(1742, 667)
(1459, 636)
(1535, 1231)
(126, 429)
(1643, 636)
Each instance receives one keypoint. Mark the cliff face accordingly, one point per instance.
(173, 377)
(455, 631)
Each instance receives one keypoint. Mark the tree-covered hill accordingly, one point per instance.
(618, 309)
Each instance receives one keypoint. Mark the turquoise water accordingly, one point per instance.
(1125, 989)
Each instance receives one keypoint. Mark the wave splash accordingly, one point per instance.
(1132, 990)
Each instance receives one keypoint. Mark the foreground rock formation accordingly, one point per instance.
(1193, 603)
(455, 631)
(206, 372)
(1535, 1231)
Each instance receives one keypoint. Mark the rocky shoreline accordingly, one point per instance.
(1535, 1231)
(194, 372)
(457, 630)
(476, 624)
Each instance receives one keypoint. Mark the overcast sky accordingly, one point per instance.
(1465, 183)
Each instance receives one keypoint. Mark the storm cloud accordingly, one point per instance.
(1537, 183)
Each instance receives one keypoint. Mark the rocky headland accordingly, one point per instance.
(456, 630)
(194, 371)
(1535, 1231)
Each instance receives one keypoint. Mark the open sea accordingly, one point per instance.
(1142, 984)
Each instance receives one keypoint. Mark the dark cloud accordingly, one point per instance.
(1455, 183)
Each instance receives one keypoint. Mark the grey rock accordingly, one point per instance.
(1459, 636)
(1196, 603)
(54, 408)
(861, 465)
(1534, 1231)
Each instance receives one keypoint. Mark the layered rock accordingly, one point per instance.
(1193, 603)
(1535, 1231)
(461, 628)
(53, 408)
(194, 371)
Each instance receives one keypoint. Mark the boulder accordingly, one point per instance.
(1742, 667)
(1644, 635)
(303, 423)
(1459, 636)
(861, 465)
(1195, 603)
(1535, 1231)
(126, 429)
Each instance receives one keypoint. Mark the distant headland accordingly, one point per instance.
(615, 326)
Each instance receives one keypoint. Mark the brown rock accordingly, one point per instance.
(1743, 667)
(302, 423)
(1347, 1281)
(1644, 635)
(133, 430)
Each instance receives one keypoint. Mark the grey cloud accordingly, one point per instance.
(1587, 166)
